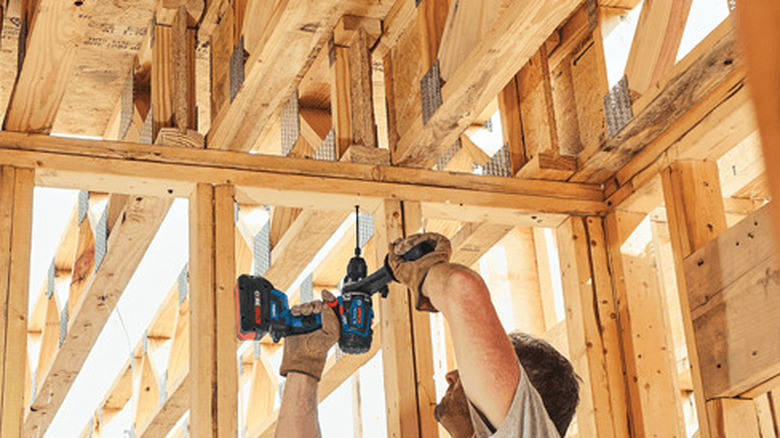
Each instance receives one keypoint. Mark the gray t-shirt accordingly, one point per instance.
(527, 417)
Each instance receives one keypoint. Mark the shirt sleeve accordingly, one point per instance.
(527, 417)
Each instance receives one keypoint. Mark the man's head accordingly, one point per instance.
(549, 372)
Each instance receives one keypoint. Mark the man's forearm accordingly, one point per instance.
(298, 414)
(487, 362)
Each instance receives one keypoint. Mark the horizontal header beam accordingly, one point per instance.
(133, 168)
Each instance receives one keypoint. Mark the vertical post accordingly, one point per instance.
(694, 207)
(16, 202)
(651, 371)
(224, 258)
(397, 338)
(202, 313)
(423, 343)
(592, 329)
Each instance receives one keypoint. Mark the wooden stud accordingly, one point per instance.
(17, 225)
(694, 208)
(592, 333)
(203, 370)
(422, 341)
(224, 258)
(397, 335)
(651, 368)
(523, 278)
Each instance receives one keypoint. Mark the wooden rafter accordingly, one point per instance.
(478, 80)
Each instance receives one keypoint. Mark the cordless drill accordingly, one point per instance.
(262, 309)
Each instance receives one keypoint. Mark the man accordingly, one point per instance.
(512, 386)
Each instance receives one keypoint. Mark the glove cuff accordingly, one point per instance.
(304, 364)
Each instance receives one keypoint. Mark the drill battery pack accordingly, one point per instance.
(262, 309)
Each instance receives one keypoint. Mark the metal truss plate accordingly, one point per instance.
(128, 96)
(262, 250)
(499, 164)
(617, 107)
(449, 155)
(237, 62)
(291, 124)
(430, 92)
(327, 150)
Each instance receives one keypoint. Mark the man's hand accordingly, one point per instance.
(413, 273)
(307, 353)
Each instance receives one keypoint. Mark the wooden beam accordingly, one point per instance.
(125, 248)
(480, 77)
(758, 39)
(733, 303)
(164, 171)
(523, 277)
(694, 208)
(692, 80)
(656, 42)
(75, 58)
(16, 197)
(593, 335)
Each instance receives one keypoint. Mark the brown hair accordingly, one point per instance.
(552, 375)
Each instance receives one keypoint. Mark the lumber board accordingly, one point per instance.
(656, 42)
(126, 247)
(17, 226)
(165, 171)
(481, 76)
(77, 59)
(688, 84)
(759, 41)
(523, 278)
(734, 296)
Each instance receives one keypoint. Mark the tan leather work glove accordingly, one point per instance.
(412, 273)
(307, 353)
